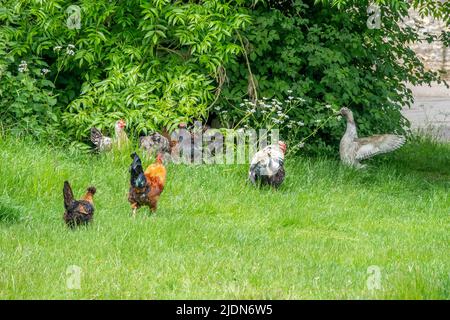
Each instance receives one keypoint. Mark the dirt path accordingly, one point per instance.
(431, 111)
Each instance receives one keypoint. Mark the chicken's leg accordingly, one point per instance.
(154, 205)
(134, 207)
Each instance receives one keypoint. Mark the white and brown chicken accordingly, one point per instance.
(267, 165)
(103, 143)
(353, 149)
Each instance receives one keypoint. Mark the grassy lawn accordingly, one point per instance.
(215, 236)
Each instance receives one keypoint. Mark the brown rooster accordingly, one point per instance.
(146, 187)
(78, 212)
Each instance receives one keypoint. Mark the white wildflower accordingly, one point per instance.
(289, 91)
(328, 106)
(23, 66)
(301, 124)
(301, 145)
(44, 71)
(290, 97)
(57, 48)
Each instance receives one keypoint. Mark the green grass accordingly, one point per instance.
(215, 236)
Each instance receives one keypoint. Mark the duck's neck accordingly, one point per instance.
(351, 127)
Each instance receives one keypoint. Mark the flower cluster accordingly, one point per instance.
(23, 66)
(297, 119)
(264, 113)
(272, 112)
(70, 49)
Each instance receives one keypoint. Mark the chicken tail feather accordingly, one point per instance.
(91, 190)
(68, 195)
(96, 136)
(137, 178)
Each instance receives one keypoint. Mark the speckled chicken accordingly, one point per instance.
(353, 149)
(197, 144)
(155, 143)
(267, 165)
(104, 143)
(78, 212)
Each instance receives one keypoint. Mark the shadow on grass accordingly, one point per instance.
(423, 158)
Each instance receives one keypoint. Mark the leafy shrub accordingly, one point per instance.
(157, 63)
(26, 97)
(153, 63)
(328, 57)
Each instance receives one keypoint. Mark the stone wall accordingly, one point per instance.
(434, 55)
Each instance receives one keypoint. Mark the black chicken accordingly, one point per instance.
(78, 212)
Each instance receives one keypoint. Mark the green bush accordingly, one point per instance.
(158, 63)
(151, 62)
(328, 57)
